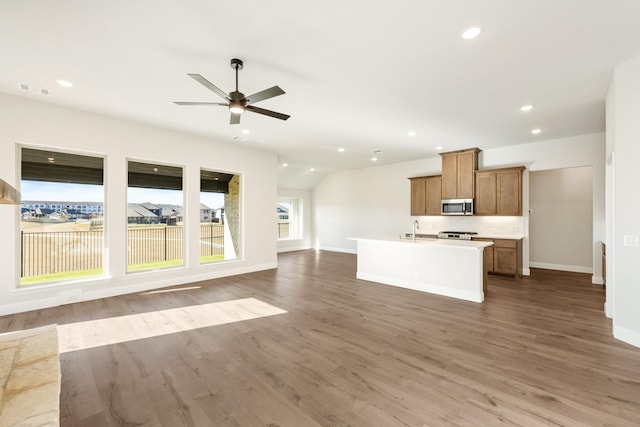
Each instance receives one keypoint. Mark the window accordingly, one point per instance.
(289, 218)
(155, 217)
(219, 216)
(59, 242)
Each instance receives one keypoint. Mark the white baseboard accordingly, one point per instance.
(607, 310)
(342, 250)
(526, 272)
(630, 337)
(596, 280)
(293, 249)
(561, 267)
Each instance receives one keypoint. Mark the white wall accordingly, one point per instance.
(307, 231)
(623, 139)
(561, 219)
(39, 124)
(375, 201)
(609, 201)
(365, 202)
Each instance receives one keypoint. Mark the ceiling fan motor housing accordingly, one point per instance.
(237, 64)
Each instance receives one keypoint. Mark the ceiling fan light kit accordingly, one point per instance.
(236, 101)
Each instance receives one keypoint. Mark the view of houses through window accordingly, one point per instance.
(155, 217)
(63, 212)
(61, 216)
(219, 216)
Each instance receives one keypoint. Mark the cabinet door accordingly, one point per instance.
(509, 191)
(450, 176)
(505, 256)
(505, 260)
(434, 195)
(465, 174)
(485, 203)
(418, 196)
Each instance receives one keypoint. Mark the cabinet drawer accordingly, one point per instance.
(501, 243)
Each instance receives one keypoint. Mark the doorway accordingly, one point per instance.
(561, 219)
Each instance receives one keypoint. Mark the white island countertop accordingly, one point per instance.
(427, 241)
(454, 268)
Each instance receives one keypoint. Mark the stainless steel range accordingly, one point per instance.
(460, 235)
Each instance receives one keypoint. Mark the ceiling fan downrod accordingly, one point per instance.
(237, 64)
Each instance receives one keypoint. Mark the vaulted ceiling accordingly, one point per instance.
(358, 75)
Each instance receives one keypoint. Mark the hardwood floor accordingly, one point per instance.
(538, 351)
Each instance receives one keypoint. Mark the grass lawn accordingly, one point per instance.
(71, 275)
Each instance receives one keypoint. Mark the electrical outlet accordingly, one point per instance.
(630, 240)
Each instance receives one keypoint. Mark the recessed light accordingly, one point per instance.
(216, 178)
(155, 169)
(526, 108)
(245, 131)
(51, 159)
(341, 150)
(411, 133)
(536, 131)
(64, 83)
(439, 147)
(312, 169)
(374, 159)
(285, 165)
(471, 33)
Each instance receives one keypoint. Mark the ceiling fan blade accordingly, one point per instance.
(235, 119)
(264, 94)
(206, 83)
(200, 103)
(267, 112)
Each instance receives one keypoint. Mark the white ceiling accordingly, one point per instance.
(359, 74)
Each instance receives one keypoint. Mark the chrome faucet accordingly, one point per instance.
(416, 225)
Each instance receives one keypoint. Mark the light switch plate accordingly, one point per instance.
(631, 240)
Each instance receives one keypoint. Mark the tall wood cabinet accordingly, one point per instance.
(499, 191)
(426, 193)
(458, 167)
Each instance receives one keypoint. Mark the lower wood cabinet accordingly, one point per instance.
(426, 193)
(504, 257)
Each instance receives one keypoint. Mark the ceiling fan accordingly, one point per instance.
(237, 102)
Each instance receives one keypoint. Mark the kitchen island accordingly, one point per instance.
(453, 268)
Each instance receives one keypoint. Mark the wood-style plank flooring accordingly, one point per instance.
(539, 351)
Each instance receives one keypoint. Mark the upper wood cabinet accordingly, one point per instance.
(499, 191)
(426, 193)
(458, 167)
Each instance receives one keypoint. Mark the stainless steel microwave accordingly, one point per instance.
(456, 207)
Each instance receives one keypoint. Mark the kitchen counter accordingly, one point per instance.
(499, 236)
(427, 241)
(453, 268)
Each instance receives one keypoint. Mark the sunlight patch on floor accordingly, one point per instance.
(113, 330)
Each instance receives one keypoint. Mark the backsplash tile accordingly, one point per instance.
(486, 225)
